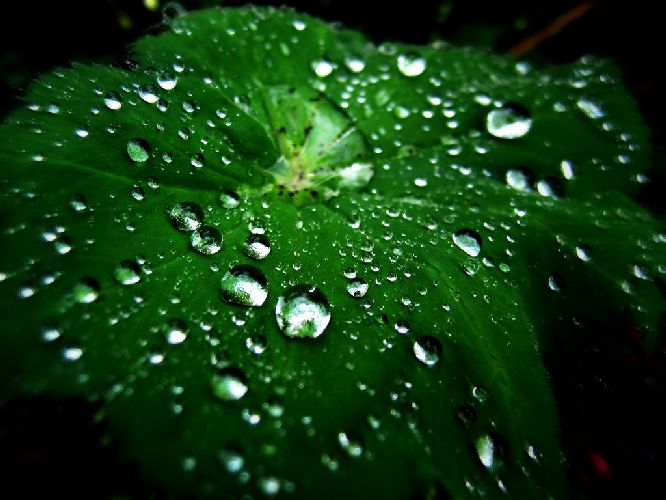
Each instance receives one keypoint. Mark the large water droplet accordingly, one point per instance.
(127, 272)
(207, 240)
(245, 286)
(86, 291)
(138, 150)
(511, 121)
(428, 350)
(469, 241)
(186, 216)
(257, 246)
(411, 64)
(229, 384)
(303, 312)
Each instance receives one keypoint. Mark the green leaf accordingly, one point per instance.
(283, 260)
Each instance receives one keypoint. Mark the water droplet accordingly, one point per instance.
(468, 241)
(402, 327)
(86, 291)
(411, 64)
(78, 203)
(186, 216)
(229, 200)
(303, 312)
(232, 458)
(167, 81)
(245, 286)
(322, 68)
(148, 94)
(590, 109)
(257, 246)
(583, 253)
(128, 272)
(207, 240)
(269, 485)
(488, 451)
(480, 393)
(355, 64)
(518, 179)
(113, 101)
(176, 331)
(256, 344)
(229, 384)
(138, 150)
(350, 444)
(428, 350)
(72, 353)
(357, 288)
(350, 273)
(511, 121)
(197, 160)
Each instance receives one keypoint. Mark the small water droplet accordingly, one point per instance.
(256, 343)
(518, 179)
(113, 101)
(357, 288)
(148, 94)
(257, 246)
(86, 291)
(167, 81)
(583, 253)
(350, 444)
(78, 203)
(176, 331)
(138, 150)
(511, 121)
(186, 216)
(128, 272)
(428, 350)
(206, 240)
(303, 312)
(411, 64)
(245, 286)
(402, 327)
(229, 200)
(322, 68)
(229, 384)
(232, 459)
(488, 451)
(469, 241)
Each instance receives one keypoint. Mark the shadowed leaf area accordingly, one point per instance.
(276, 259)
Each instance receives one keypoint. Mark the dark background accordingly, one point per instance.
(611, 400)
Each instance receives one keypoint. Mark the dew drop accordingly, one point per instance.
(206, 240)
(86, 291)
(428, 350)
(128, 272)
(322, 68)
(138, 150)
(245, 286)
(229, 200)
(511, 121)
(256, 343)
(148, 94)
(176, 331)
(229, 384)
(167, 81)
(411, 64)
(518, 179)
(303, 312)
(113, 101)
(357, 288)
(257, 246)
(186, 216)
(350, 444)
(488, 451)
(468, 241)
